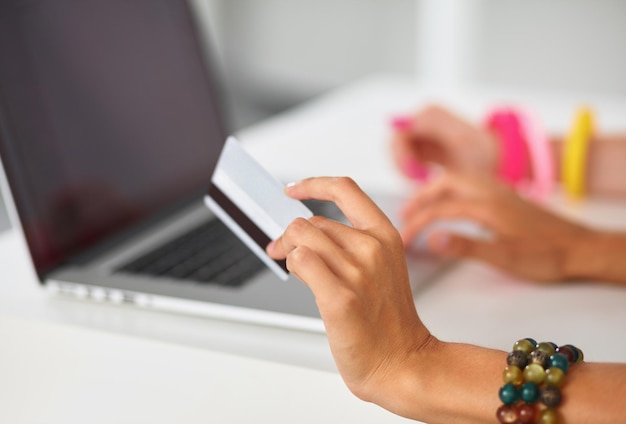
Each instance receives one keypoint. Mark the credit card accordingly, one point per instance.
(252, 202)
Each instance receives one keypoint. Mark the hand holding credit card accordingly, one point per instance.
(251, 202)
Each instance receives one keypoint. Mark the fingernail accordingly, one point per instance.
(415, 170)
(401, 123)
(270, 246)
(288, 186)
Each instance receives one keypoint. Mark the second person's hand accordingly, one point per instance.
(527, 240)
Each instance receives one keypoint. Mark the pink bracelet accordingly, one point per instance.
(540, 154)
(513, 157)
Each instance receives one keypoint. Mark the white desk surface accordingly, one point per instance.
(72, 361)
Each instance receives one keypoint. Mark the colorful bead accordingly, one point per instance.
(560, 361)
(547, 347)
(569, 353)
(513, 375)
(550, 396)
(534, 373)
(509, 394)
(507, 414)
(580, 357)
(579, 353)
(540, 357)
(526, 413)
(517, 358)
(533, 341)
(525, 346)
(555, 377)
(548, 416)
(530, 392)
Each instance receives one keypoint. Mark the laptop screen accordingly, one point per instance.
(107, 116)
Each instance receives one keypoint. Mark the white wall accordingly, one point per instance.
(280, 52)
(575, 45)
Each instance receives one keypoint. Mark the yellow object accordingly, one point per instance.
(575, 153)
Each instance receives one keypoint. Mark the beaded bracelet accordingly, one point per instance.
(534, 375)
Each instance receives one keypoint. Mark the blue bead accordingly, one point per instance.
(560, 361)
(509, 394)
(530, 392)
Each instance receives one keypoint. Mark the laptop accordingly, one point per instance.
(111, 124)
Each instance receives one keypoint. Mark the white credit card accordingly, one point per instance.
(251, 202)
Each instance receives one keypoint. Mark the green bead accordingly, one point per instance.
(533, 341)
(548, 416)
(581, 356)
(555, 377)
(524, 345)
(560, 361)
(509, 394)
(534, 373)
(547, 347)
(530, 392)
(513, 375)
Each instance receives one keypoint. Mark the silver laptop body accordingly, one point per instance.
(110, 127)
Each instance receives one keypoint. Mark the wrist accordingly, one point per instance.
(405, 388)
(433, 384)
(596, 255)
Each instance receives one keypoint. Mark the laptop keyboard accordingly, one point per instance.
(210, 253)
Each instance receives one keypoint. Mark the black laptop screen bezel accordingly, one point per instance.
(14, 163)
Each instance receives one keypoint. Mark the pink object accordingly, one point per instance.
(410, 167)
(540, 155)
(415, 170)
(513, 157)
(401, 123)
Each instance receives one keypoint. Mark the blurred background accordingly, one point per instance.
(276, 54)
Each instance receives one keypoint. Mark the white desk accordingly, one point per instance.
(71, 361)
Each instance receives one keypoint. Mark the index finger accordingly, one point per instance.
(360, 210)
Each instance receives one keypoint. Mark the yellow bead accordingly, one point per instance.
(524, 345)
(548, 416)
(547, 348)
(555, 377)
(534, 373)
(513, 375)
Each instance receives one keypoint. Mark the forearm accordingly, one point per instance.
(606, 164)
(598, 256)
(452, 382)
